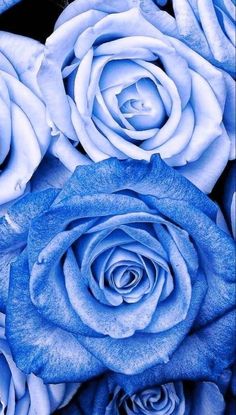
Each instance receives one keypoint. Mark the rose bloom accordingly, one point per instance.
(104, 396)
(123, 269)
(116, 85)
(27, 395)
(208, 27)
(24, 134)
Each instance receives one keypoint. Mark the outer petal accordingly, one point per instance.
(81, 6)
(130, 356)
(59, 45)
(13, 232)
(37, 345)
(216, 250)
(154, 178)
(26, 112)
(25, 54)
(215, 344)
(211, 164)
(15, 224)
(27, 395)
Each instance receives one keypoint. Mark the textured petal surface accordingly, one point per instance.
(128, 86)
(130, 273)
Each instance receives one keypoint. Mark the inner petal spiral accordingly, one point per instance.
(142, 105)
(163, 399)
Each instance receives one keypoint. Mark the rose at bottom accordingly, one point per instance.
(22, 394)
(123, 269)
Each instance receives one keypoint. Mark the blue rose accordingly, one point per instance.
(117, 86)
(24, 134)
(27, 395)
(125, 269)
(104, 396)
(208, 27)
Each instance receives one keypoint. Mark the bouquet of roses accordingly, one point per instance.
(117, 209)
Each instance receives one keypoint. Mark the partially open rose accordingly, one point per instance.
(120, 87)
(104, 396)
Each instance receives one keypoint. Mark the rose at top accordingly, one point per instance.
(27, 395)
(208, 27)
(24, 133)
(123, 269)
(116, 85)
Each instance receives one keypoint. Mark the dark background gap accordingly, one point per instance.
(36, 18)
(33, 18)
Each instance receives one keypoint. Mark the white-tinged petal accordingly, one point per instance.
(25, 156)
(62, 149)
(220, 46)
(209, 72)
(180, 139)
(25, 55)
(81, 6)
(31, 105)
(208, 118)
(211, 164)
(39, 398)
(81, 83)
(229, 118)
(5, 129)
(130, 23)
(5, 65)
(91, 148)
(59, 46)
(170, 126)
(189, 27)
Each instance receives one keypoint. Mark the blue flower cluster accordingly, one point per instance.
(118, 211)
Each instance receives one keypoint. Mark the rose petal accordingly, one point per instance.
(38, 346)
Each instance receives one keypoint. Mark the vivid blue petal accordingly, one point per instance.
(38, 346)
(13, 232)
(154, 178)
(215, 345)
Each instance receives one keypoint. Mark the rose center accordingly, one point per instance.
(142, 106)
(124, 278)
(162, 400)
